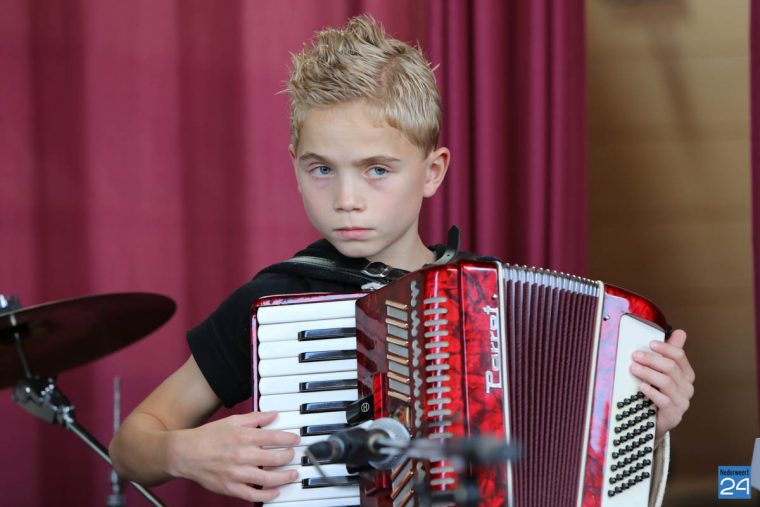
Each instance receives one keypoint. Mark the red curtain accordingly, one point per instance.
(143, 148)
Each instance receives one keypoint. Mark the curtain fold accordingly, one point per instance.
(512, 75)
(143, 147)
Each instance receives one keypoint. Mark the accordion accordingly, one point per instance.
(467, 349)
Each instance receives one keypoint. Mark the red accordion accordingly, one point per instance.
(473, 348)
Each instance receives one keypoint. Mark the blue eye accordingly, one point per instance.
(322, 170)
(377, 172)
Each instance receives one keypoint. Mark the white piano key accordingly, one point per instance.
(273, 350)
(281, 375)
(295, 492)
(328, 502)
(295, 420)
(306, 311)
(291, 383)
(291, 366)
(290, 330)
(293, 401)
(308, 472)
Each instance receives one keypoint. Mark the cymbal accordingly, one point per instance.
(64, 334)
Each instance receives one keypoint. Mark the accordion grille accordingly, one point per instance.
(550, 335)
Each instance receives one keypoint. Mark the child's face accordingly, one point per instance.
(363, 183)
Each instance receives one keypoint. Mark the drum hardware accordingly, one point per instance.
(55, 337)
(116, 498)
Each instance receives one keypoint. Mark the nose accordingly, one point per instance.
(348, 195)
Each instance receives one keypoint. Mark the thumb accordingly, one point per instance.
(678, 338)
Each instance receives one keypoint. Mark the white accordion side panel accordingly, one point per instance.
(632, 473)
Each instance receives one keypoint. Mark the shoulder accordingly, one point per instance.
(274, 283)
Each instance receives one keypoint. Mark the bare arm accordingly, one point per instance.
(164, 437)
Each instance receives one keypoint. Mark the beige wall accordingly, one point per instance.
(668, 158)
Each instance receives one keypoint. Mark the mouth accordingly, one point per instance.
(353, 232)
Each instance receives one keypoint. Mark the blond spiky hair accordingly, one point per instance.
(360, 62)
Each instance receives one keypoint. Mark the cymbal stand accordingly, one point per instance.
(116, 498)
(42, 398)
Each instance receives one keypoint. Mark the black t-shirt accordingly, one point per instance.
(221, 345)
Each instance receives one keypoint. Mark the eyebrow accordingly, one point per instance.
(375, 159)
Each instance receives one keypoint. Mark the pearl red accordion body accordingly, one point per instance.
(481, 348)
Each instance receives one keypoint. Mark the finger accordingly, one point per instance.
(269, 457)
(668, 414)
(662, 364)
(271, 478)
(274, 438)
(251, 494)
(265, 478)
(254, 419)
(677, 338)
(660, 380)
(665, 392)
(674, 350)
(661, 400)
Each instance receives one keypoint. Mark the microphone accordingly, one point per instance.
(360, 447)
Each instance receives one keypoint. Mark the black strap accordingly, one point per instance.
(374, 273)
(329, 270)
(452, 246)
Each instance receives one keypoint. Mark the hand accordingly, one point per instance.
(224, 456)
(667, 379)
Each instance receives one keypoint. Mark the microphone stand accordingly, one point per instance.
(465, 454)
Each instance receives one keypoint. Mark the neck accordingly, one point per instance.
(413, 258)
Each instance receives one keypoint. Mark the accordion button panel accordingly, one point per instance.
(307, 373)
(628, 463)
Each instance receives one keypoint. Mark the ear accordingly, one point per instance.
(292, 153)
(436, 165)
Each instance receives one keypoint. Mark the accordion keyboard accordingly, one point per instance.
(306, 371)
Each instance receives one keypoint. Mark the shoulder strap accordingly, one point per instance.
(331, 271)
(369, 276)
(452, 246)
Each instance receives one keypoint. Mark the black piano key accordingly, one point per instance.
(326, 334)
(324, 406)
(323, 482)
(327, 385)
(306, 462)
(326, 355)
(322, 429)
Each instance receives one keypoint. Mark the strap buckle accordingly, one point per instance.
(376, 270)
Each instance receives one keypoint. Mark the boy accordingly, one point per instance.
(365, 116)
